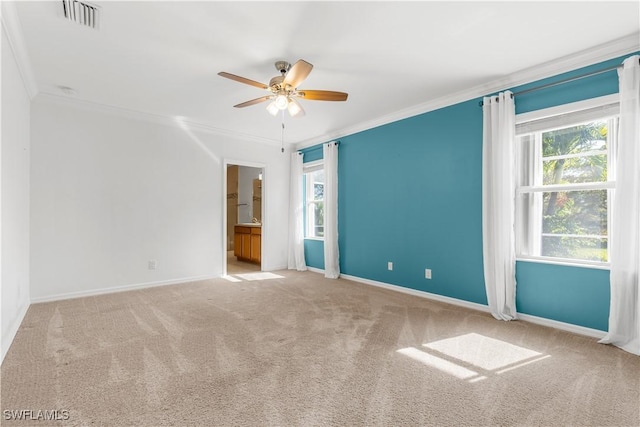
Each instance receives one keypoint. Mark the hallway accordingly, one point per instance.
(234, 266)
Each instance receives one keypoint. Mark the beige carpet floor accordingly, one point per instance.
(295, 349)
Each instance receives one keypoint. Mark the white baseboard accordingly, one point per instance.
(7, 340)
(315, 270)
(580, 330)
(422, 294)
(102, 291)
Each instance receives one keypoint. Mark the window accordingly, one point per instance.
(565, 182)
(314, 194)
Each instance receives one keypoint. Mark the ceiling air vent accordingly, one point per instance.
(83, 13)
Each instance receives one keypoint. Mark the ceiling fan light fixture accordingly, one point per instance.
(283, 89)
(272, 108)
(295, 108)
(281, 102)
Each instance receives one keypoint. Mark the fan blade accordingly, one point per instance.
(243, 80)
(322, 95)
(253, 101)
(298, 72)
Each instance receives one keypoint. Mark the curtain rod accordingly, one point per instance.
(563, 81)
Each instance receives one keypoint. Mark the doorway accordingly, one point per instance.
(244, 218)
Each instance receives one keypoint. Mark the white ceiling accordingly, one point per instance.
(393, 58)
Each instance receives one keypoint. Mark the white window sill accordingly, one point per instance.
(567, 262)
(320, 239)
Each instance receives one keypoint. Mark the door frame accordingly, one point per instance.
(265, 233)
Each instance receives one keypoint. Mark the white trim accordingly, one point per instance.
(417, 293)
(575, 236)
(554, 188)
(13, 30)
(564, 261)
(176, 121)
(265, 230)
(576, 155)
(315, 270)
(257, 165)
(604, 52)
(124, 288)
(568, 327)
(319, 239)
(313, 166)
(569, 108)
(7, 339)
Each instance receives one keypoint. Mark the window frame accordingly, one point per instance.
(309, 201)
(558, 117)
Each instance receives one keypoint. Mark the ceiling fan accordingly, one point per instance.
(284, 89)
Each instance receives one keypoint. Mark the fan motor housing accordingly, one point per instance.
(282, 66)
(276, 82)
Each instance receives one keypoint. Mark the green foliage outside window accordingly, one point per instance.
(575, 155)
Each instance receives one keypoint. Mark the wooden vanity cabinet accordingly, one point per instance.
(247, 243)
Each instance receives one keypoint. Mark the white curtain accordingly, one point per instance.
(624, 312)
(331, 253)
(296, 221)
(498, 204)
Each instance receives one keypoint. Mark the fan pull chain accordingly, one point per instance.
(282, 137)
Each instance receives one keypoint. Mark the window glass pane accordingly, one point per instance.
(575, 170)
(318, 185)
(318, 191)
(575, 139)
(582, 248)
(574, 224)
(318, 220)
(575, 154)
(314, 214)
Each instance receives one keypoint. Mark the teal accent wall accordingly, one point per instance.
(568, 294)
(577, 90)
(312, 153)
(410, 192)
(314, 253)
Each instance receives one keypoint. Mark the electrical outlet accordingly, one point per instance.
(389, 266)
(427, 273)
(153, 264)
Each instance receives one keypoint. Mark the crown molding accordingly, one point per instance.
(13, 30)
(601, 53)
(626, 45)
(585, 58)
(172, 121)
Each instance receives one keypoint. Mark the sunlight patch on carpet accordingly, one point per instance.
(520, 365)
(438, 363)
(259, 276)
(478, 350)
(473, 357)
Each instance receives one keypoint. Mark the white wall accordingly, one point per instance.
(110, 192)
(14, 199)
